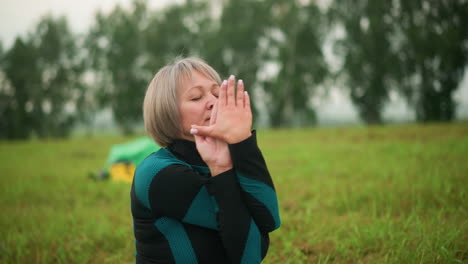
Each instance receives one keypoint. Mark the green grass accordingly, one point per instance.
(394, 194)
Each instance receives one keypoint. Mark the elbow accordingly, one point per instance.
(276, 220)
(274, 224)
(277, 223)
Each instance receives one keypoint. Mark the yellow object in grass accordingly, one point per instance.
(122, 171)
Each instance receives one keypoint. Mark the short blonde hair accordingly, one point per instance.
(160, 108)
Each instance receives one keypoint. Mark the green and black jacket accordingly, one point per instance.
(181, 214)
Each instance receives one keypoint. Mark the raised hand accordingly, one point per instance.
(214, 151)
(233, 121)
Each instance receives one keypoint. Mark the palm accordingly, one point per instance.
(234, 117)
(214, 151)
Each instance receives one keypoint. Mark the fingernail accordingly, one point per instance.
(231, 77)
(193, 131)
(240, 82)
(246, 93)
(224, 82)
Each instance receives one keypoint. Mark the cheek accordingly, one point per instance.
(190, 114)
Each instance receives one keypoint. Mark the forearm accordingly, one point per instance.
(257, 185)
(240, 235)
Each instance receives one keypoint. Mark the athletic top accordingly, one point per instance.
(181, 214)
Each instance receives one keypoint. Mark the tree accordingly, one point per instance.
(417, 48)
(20, 75)
(433, 54)
(61, 70)
(116, 51)
(42, 82)
(232, 43)
(369, 62)
(294, 43)
(135, 43)
(177, 30)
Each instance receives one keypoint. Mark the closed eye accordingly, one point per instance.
(195, 98)
(215, 90)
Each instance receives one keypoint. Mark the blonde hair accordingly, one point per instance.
(160, 109)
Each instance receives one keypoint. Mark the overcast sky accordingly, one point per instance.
(20, 16)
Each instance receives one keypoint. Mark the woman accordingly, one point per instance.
(206, 196)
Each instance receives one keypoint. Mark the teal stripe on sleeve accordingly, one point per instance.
(178, 240)
(253, 246)
(202, 211)
(263, 193)
(148, 169)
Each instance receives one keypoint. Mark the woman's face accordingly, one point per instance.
(196, 99)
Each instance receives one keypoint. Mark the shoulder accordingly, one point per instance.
(156, 162)
(149, 169)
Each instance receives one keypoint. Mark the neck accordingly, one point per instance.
(187, 136)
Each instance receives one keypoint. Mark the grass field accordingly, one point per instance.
(393, 194)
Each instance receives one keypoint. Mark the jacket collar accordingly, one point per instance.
(186, 150)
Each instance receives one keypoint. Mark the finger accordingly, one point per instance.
(214, 114)
(222, 94)
(246, 100)
(230, 90)
(199, 140)
(204, 131)
(209, 140)
(240, 94)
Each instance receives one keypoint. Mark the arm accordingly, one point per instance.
(215, 203)
(231, 124)
(242, 239)
(179, 192)
(256, 183)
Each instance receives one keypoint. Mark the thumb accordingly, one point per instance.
(205, 131)
(200, 144)
(198, 139)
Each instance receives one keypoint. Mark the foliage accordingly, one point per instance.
(41, 83)
(233, 44)
(51, 78)
(117, 46)
(228, 42)
(433, 54)
(394, 194)
(369, 62)
(418, 48)
(296, 35)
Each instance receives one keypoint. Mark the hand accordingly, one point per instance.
(213, 151)
(234, 116)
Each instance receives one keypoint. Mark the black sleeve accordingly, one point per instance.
(256, 183)
(179, 192)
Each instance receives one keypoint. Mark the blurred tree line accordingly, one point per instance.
(51, 79)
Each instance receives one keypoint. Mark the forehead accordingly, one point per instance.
(195, 80)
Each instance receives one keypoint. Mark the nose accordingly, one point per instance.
(211, 102)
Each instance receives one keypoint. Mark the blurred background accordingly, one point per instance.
(355, 190)
(82, 67)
